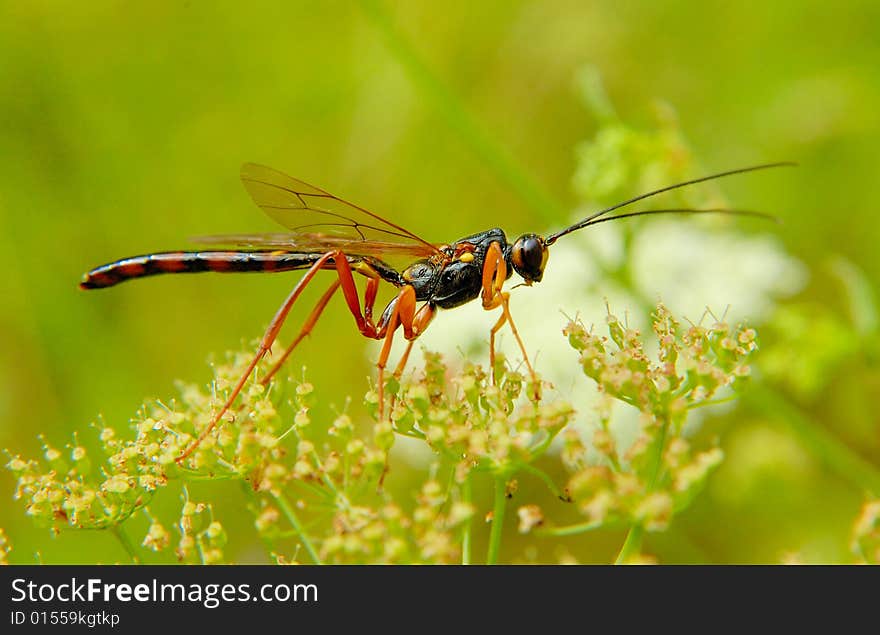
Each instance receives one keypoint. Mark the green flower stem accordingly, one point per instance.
(711, 402)
(539, 448)
(824, 445)
(126, 543)
(450, 108)
(287, 508)
(116, 521)
(497, 519)
(412, 434)
(317, 459)
(632, 545)
(317, 491)
(201, 548)
(193, 476)
(553, 487)
(466, 496)
(572, 530)
(326, 479)
(254, 506)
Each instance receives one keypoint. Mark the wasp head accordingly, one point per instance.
(528, 255)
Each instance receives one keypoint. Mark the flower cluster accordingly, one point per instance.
(201, 537)
(317, 490)
(388, 534)
(475, 424)
(65, 490)
(659, 473)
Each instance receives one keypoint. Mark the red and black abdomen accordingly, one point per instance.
(196, 262)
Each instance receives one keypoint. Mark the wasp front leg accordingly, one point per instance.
(494, 276)
(401, 311)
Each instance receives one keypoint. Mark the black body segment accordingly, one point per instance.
(458, 280)
(221, 262)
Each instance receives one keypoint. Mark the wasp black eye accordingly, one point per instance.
(529, 257)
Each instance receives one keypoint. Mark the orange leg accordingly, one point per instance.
(421, 320)
(349, 290)
(403, 309)
(306, 329)
(494, 276)
(507, 318)
(346, 280)
(492, 332)
(398, 370)
(265, 344)
(400, 311)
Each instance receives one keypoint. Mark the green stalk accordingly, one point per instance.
(126, 543)
(632, 545)
(253, 507)
(497, 520)
(541, 474)
(466, 536)
(572, 530)
(450, 108)
(287, 508)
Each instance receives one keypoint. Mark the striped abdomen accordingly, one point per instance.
(196, 262)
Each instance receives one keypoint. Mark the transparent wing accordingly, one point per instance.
(319, 219)
(296, 241)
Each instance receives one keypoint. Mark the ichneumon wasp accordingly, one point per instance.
(327, 232)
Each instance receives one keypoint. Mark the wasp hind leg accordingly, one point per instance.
(304, 331)
(265, 344)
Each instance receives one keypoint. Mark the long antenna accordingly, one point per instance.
(686, 210)
(591, 219)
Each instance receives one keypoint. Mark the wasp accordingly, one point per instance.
(327, 233)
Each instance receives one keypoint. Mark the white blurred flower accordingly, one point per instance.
(691, 266)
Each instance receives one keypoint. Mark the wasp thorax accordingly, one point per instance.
(528, 255)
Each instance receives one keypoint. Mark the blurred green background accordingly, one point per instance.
(122, 127)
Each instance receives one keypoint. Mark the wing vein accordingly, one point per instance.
(292, 195)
